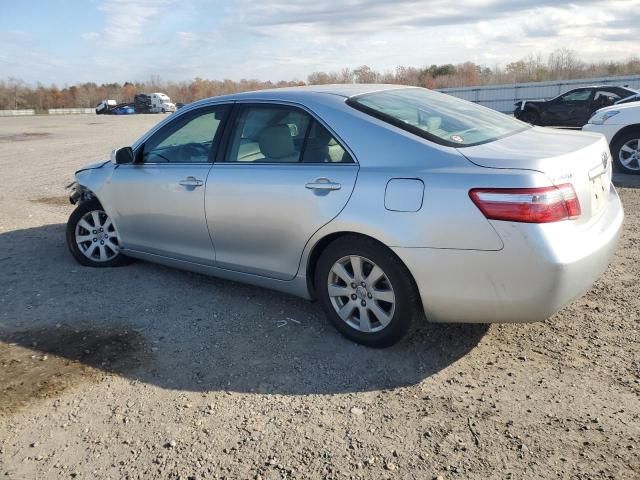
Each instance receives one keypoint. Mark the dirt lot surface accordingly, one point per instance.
(147, 372)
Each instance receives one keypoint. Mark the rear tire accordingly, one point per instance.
(366, 291)
(626, 152)
(92, 238)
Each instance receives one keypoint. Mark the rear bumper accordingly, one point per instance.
(540, 269)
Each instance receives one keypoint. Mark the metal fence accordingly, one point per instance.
(13, 113)
(502, 97)
(70, 111)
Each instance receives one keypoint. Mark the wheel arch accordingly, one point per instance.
(323, 243)
(80, 193)
(534, 109)
(635, 127)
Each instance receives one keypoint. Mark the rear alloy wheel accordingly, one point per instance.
(626, 153)
(361, 294)
(92, 237)
(366, 291)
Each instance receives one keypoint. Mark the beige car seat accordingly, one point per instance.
(276, 144)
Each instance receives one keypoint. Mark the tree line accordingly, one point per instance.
(559, 65)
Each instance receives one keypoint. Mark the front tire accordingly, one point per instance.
(92, 237)
(529, 116)
(366, 291)
(626, 152)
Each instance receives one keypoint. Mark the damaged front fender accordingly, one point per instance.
(89, 182)
(77, 193)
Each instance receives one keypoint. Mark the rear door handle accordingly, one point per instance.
(191, 182)
(323, 183)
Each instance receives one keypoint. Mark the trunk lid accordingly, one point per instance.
(564, 156)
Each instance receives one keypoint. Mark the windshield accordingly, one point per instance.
(438, 117)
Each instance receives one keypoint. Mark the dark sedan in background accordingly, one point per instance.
(572, 108)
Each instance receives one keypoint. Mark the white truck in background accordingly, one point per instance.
(154, 103)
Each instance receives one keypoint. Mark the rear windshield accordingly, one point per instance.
(438, 117)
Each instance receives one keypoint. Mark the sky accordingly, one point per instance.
(70, 41)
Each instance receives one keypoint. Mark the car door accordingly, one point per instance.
(571, 109)
(158, 201)
(282, 177)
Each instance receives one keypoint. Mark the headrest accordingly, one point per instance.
(433, 123)
(276, 142)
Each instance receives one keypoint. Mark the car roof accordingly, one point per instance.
(605, 87)
(306, 92)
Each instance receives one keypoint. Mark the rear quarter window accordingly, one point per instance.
(438, 117)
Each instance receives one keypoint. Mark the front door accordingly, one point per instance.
(283, 177)
(570, 110)
(157, 202)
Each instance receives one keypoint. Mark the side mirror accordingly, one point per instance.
(122, 155)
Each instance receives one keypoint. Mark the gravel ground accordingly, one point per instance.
(148, 372)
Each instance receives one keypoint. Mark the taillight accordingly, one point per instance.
(530, 205)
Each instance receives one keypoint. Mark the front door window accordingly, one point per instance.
(188, 140)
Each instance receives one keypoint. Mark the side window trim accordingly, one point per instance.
(237, 108)
(188, 116)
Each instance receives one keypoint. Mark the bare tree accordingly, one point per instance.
(560, 64)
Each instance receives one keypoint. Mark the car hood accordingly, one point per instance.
(93, 166)
(621, 107)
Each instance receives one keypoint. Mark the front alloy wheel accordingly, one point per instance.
(96, 236)
(92, 237)
(628, 158)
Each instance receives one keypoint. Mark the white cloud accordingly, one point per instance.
(278, 39)
(127, 21)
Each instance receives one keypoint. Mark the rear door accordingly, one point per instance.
(158, 201)
(283, 176)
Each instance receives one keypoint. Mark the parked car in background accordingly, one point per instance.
(572, 108)
(383, 202)
(105, 106)
(620, 124)
(110, 107)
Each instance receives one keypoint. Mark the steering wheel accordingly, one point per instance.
(190, 150)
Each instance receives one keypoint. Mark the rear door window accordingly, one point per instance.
(282, 134)
(269, 134)
(322, 147)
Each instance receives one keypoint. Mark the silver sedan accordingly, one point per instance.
(384, 203)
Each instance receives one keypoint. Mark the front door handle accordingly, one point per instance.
(323, 183)
(191, 182)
